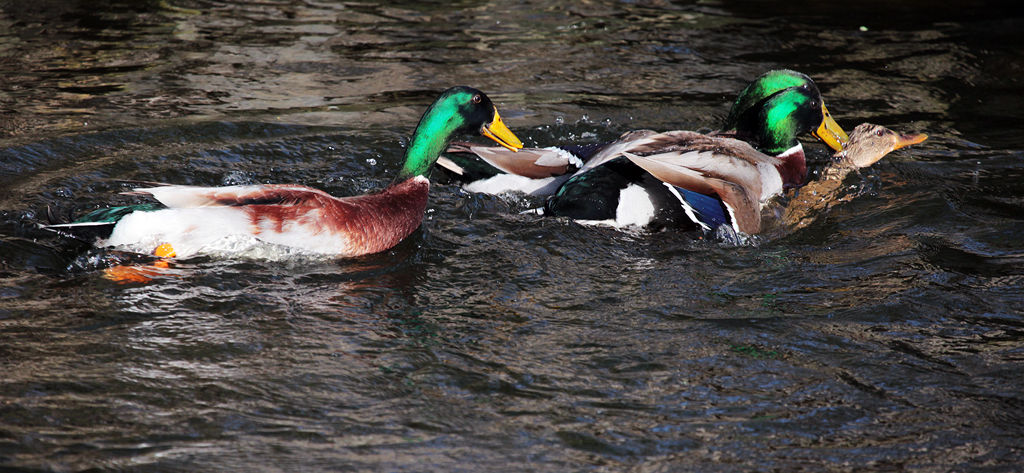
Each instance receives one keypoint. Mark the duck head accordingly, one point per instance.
(779, 106)
(869, 143)
(457, 111)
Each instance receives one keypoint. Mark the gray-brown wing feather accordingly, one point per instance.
(733, 179)
(534, 163)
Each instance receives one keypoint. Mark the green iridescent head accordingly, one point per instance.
(779, 106)
(457, 111)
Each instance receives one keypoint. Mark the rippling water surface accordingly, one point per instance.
(886, 336)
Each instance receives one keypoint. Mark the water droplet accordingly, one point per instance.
(235, 178)
(371, 161)
(559, 120)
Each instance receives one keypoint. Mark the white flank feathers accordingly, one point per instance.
(189, 231)
(219, 230)
(505, 183)
(635, 207)
(196, 223)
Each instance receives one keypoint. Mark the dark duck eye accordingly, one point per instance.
(477, 98)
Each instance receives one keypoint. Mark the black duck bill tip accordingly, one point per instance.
(830, 132)
(497, 131)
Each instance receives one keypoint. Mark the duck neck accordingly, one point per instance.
(430, 138)
(422, 154)
(793, 168)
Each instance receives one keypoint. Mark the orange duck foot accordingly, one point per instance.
(124, 274)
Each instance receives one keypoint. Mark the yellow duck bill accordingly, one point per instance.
(500, 133)
(830, 132)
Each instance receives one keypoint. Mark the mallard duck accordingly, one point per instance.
(694, 167)
(770, 113)
(192, 220)
(868, 144)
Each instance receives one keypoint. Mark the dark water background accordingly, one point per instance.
(886, 336)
